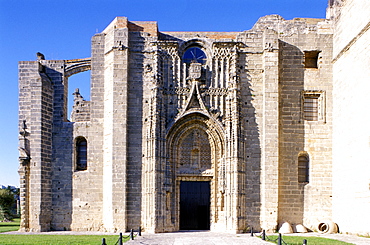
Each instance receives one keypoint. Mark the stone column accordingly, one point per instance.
(36, 107)
(270, 132)
(115, 129)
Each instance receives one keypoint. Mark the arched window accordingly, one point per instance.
(303, 168)
(81, 154)
(194, 55)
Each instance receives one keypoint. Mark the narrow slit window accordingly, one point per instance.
(303, 169)
(81, 154)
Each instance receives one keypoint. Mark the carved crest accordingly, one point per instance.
(195, 70)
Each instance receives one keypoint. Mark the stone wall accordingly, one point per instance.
(87, 189)
(81, 108)
(351, 197)
(305, 202)
(41, 115)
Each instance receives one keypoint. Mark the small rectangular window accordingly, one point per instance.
(313, 105)
(311, 59)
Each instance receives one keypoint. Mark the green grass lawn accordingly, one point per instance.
(10, 226)
(50, 239)
(298, 240)
(57, 239)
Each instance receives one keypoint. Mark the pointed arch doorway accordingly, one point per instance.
(196, 154)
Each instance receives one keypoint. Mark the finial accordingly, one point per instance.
(40, 56)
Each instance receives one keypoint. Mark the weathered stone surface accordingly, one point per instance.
(351, 168)
(236, 119)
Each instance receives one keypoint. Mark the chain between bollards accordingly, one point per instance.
(279, 240)
(120, 239)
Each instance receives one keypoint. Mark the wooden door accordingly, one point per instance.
(194, 205)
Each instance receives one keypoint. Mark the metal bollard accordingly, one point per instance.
(103, 242)
(120, 242)
(139, 233)
(132, 234)
(251, 231)
(304, 242)
(264, 235)
(280, 240)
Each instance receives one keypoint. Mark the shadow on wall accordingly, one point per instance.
(291, 133)
(251, 147)
(135, 130)
(62, 152)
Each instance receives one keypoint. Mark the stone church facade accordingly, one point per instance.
(219, 131)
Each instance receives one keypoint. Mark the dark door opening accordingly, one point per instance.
(194, 205)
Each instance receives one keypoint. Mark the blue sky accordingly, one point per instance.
(63, 30)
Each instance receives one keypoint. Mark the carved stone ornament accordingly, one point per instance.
(23, 154)
(195, 70)
(269, 47)
(24, 157)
